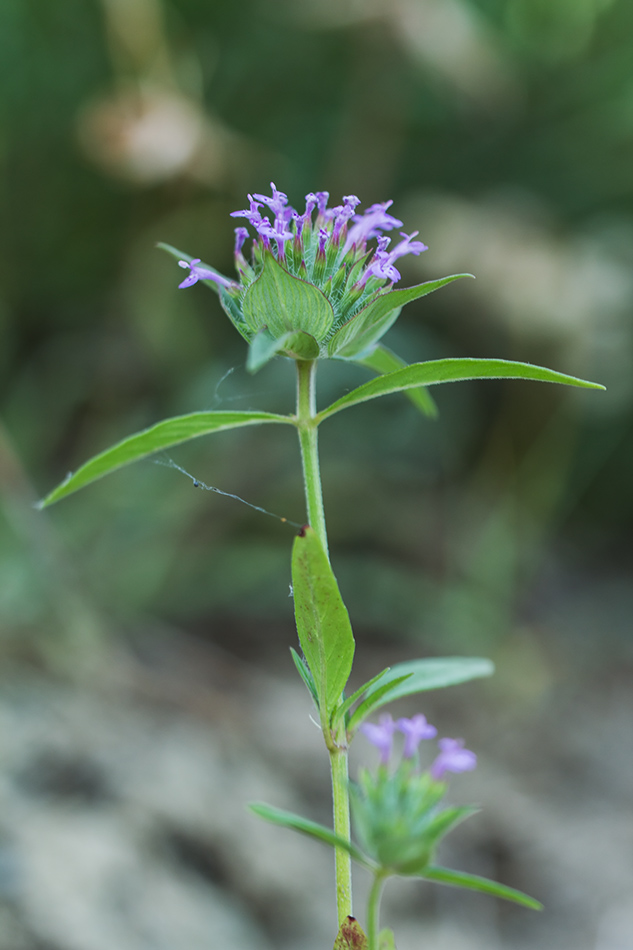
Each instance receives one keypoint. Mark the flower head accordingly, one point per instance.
(453, 757)
(314, 273)
(381, 736)
(414, 730)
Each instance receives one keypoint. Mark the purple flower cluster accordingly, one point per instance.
(324, 249)
(330, 236)
(453, 757)
(327, 248)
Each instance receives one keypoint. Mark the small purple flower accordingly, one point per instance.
(311, 203)
(381, 736)
(277, 203)
(382, 265)
(322, 198)
(414, 730)
(201, 273)
(323, 236)
(240, 236)
(370, 224)
(343, 214)
(453, 757)
(253, 214)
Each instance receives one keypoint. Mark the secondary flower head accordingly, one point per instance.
(398, 813)
(313, 282)
(453, 757)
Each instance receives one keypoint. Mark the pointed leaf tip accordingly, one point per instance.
(473, 882)
(451, 370)
(161, 436)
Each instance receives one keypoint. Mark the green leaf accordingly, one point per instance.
(351, 936)
(370, 323)
(386, 940)
(160, 436)
(304, 672)
(418, 676)
(447, 819)
(323, 624)
(383, 360)
(448, 371)
(281, 302)
(287, 819)
(372, 701)
(475, 883)
(294, 343)
(349, 702)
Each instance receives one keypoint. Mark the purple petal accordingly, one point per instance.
(240, 236)
(189, 281)
(322, 198)
(453, 757)
(381, 736)
(414, 730)
(370, 224)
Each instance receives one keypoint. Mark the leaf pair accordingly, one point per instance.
(409, 678)
(434, 873)
(406, 379)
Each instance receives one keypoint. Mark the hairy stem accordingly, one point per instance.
(337, 744)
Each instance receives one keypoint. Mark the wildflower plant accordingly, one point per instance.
(320, 284)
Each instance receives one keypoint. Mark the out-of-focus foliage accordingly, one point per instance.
(503, 129)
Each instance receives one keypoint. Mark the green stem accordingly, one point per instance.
(336, 744)
(373, 910)
(308, 439)
(340, 803)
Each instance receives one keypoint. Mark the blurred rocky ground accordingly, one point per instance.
(123, 820)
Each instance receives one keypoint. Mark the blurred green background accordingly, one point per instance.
(504, 133)
(503, 130)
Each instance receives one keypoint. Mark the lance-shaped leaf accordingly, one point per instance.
(418, 676)
(351, 936)
(287, 819)
(372, 702)
(323, 625)
(163, 435)
(475, 883)
(383, 360)
(294, 343)
(373, 321)
(281, 302)
(360, 692)
(450, 371)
